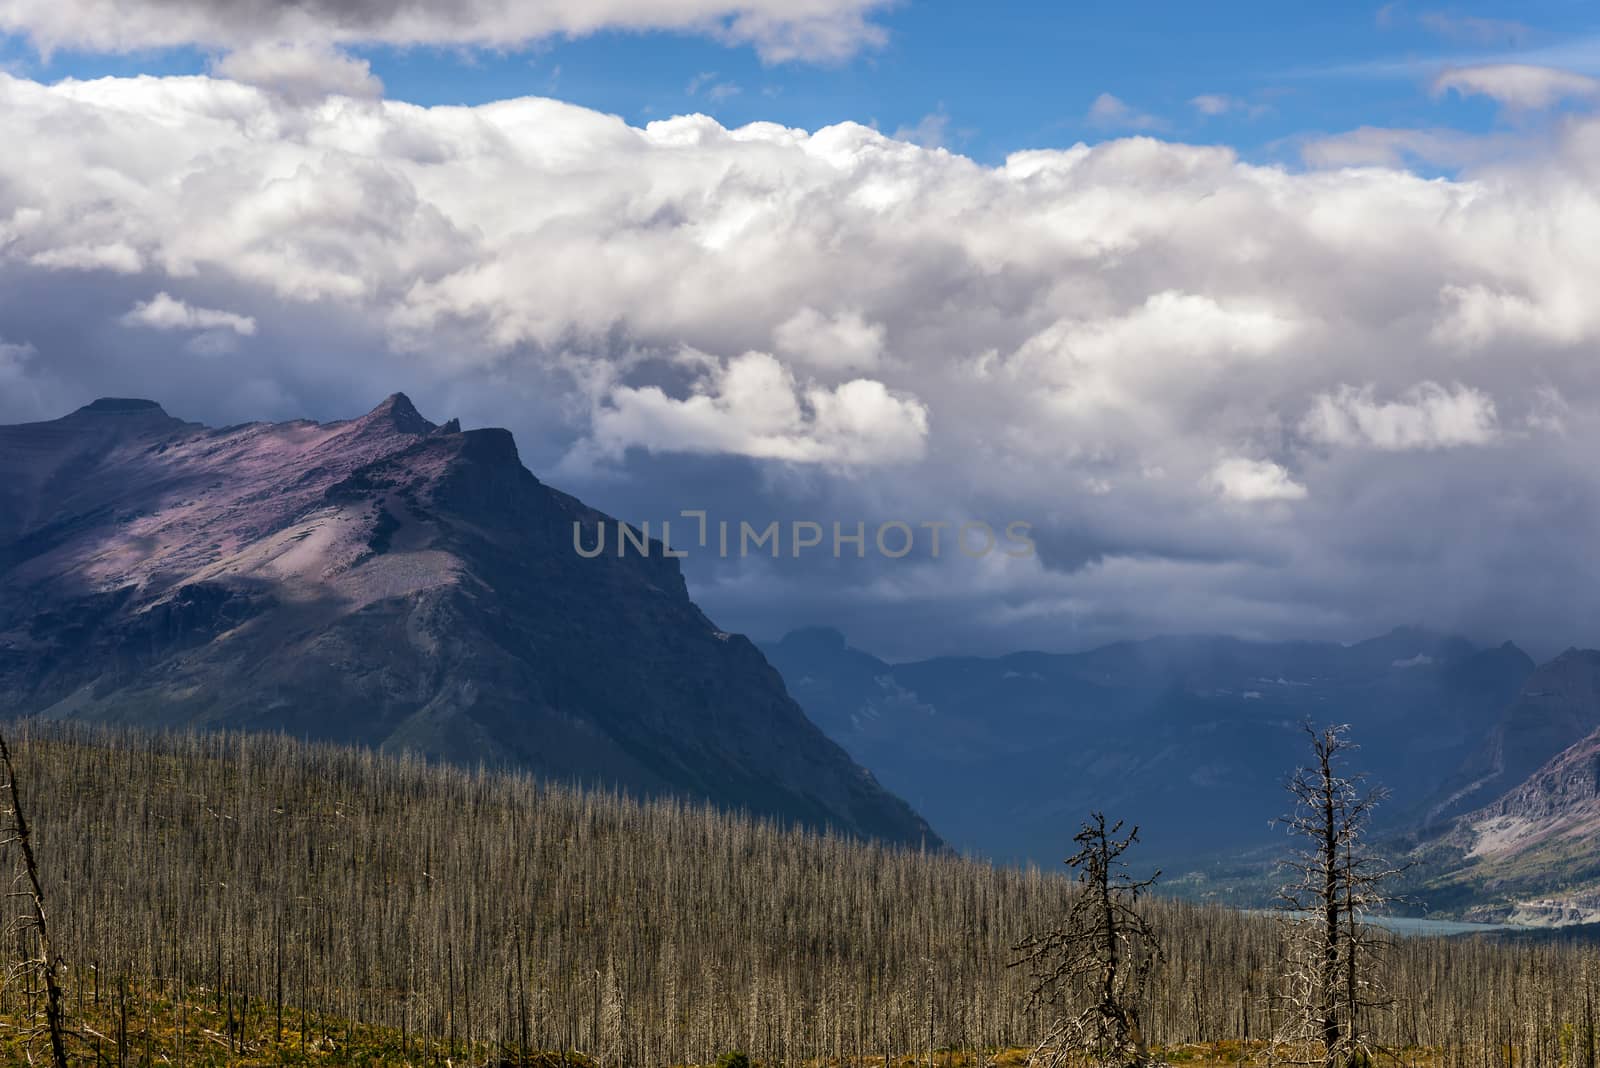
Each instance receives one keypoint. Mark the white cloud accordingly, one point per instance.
(1112, 113)
(300, 71)
(116, 256)
(1212, 105)
(1123, 365)
(1517, 85)
(1397, 148)
(1427, 416)
(930, 131)
(164, 312)
(780, 30)
(715, 90)
(843, 341)
(1012, 338)
(754, 406)
(1476, 316)
(1241, 479)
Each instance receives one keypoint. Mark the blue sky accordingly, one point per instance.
(1009, 76)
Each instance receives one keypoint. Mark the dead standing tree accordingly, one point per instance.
(1332, 979)
(37, 969)
(1092, 969)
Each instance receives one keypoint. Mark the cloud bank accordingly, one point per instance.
(780, 30)
(1227, 396)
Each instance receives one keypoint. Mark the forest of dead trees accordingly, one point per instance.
(330, 887)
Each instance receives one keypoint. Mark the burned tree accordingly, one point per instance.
(1092, 969)
(1332, 979)
(37, 971)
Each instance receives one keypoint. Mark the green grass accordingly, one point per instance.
(145, 1026)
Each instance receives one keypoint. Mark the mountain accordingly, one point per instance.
(390, 582)
(1190, 737)
(1557, 706)
(1529, 857)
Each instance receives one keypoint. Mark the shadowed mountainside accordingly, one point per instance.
(1189, 737)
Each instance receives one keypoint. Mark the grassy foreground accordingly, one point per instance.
(139, 1026)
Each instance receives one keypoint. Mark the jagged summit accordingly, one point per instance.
(396, 412)
(388, 582)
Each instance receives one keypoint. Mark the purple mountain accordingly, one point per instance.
(388, 582)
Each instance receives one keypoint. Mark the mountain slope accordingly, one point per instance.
(1557, 706)
(389, 582)
(1530, 857)
(1190, 737)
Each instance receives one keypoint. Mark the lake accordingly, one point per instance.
(1419, 925)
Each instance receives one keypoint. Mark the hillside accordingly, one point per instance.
(319, 893)
(1190, 737)
(390, 582)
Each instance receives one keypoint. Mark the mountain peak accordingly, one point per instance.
(398, 413)
(119, 405)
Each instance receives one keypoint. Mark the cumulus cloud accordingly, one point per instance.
(754, 406)
(1123, 343)
(1241, 479)
(299, 70)
(163, 312)
(1518, 85)
(1427, 416)
(780, 30)
(844, 340)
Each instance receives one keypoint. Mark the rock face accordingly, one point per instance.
(389, 582)
(1189, 737)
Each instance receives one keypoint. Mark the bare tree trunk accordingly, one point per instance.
(1331, 908)
(53, 1014)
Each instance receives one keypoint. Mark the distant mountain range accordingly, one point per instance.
(1493, 762)
(1190, 737)
(390, 582)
